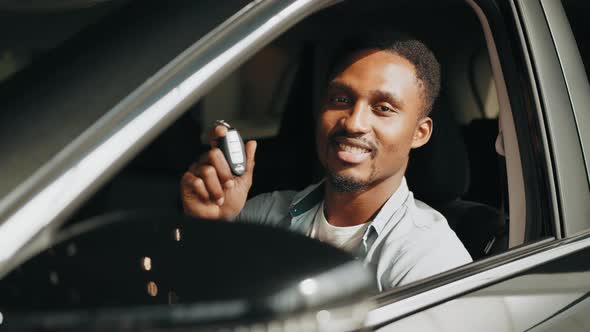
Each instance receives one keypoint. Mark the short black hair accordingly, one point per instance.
(426, 65)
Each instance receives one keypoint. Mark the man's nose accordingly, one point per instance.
(356, 121)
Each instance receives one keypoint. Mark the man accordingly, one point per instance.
(375, 110)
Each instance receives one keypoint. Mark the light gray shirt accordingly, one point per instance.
(407, 241)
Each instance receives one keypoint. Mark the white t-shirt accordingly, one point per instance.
(346, 238)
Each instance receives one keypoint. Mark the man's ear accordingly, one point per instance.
(422, 133)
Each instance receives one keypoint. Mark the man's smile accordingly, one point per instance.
(352, 150)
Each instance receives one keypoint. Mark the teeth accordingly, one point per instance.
(352, 149)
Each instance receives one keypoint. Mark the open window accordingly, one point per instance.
(273, 95)
(462, 172)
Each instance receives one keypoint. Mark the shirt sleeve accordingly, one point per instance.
(424, 253)
(420, 245)
(443, 254)
(267, 209)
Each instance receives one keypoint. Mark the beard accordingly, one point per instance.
(348, 184)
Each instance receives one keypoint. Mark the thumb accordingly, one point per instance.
(215, 133)
(250, 152)
(245, 181)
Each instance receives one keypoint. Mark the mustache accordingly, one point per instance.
(342, 134)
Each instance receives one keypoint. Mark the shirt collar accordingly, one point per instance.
(311, 196)
(307, 199)
(390, 207)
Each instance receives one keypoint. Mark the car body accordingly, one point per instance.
(136, 83)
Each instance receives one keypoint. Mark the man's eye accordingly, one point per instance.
(339, 100)
(384, 109)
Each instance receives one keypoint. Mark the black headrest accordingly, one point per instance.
(439, 171)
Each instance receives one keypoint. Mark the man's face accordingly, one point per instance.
(371, 117)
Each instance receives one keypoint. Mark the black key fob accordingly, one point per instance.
(233, 150)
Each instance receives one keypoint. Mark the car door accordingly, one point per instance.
(544, 289)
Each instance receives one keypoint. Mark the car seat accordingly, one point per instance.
(481, 132)
(438, 173)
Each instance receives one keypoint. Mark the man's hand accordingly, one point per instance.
(209, 190)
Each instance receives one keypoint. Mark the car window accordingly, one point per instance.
(253, 97)
(273, 98)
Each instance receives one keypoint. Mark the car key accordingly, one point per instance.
(233, 149)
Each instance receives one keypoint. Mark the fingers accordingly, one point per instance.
(195, 198)
(217, 159)
(209, 179)
(192, 183)
(203, 180)
(200, 189)
(215, 133)
(208, 175)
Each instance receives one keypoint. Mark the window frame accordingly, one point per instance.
(558, 120)
(578, 86)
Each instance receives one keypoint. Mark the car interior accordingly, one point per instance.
(272, 98)
(458, 172)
